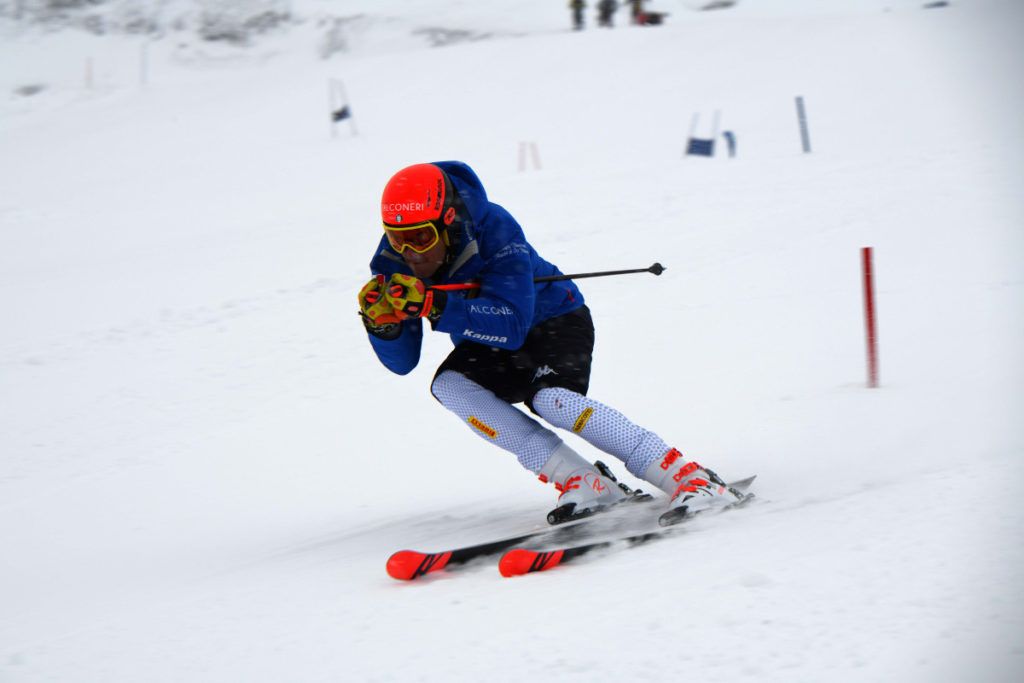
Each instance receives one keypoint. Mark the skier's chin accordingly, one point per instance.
(424, 269)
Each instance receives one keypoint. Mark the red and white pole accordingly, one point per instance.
(869, 315)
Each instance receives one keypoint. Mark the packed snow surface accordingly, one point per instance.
(203, 467)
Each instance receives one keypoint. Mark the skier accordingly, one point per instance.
(516, 341)
(577, 7)
(606, 13)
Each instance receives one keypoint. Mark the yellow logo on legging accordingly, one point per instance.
(489, 431)
(581, 421)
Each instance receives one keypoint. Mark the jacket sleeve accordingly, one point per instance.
(501, 314)
(402, 354)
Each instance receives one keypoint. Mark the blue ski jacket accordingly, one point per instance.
(489, 248)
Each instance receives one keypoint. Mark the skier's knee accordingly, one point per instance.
(558, 405)
(544, 401)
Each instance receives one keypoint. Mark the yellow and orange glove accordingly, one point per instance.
(374, 307)
(410, 298)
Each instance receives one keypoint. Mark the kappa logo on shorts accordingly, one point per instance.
(545, 370)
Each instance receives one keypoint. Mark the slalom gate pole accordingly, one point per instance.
(655, 268)
(871, 336)
(801, 117)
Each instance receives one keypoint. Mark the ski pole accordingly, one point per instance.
(655, 268)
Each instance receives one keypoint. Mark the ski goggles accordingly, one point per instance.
(420, 237)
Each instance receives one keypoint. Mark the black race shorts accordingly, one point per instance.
(556, 353)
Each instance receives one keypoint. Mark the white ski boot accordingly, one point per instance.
(692, 488)
(583, 488)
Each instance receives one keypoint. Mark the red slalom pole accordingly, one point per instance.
(869, 314)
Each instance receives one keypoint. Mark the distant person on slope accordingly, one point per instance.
(577, 7)
(606, 13)
(516, 341)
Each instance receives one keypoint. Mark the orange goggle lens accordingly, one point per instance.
(420, 237)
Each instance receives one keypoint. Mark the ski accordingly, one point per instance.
(407, 565)
(519, 561)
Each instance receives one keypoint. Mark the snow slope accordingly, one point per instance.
(201, 468)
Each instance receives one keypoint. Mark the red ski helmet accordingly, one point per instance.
(418, 194)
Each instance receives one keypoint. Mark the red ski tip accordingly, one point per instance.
(406, 565)
(518, 562)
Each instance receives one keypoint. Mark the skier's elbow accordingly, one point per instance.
(399, 367)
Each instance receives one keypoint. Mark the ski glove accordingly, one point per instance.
(410, 298)
(378, 315)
